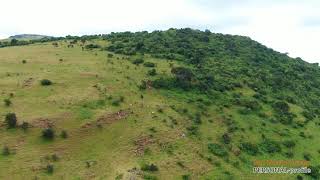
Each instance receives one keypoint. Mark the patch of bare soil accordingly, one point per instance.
(141, 143)
(42, 123)
(108, 119)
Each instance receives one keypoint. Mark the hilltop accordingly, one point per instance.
(175, 104)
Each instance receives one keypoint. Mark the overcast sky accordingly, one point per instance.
(291, 26)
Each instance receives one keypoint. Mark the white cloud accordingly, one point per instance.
(287, 26)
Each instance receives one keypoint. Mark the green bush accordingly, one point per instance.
(45, 82)
(217, 149)
(11, 120)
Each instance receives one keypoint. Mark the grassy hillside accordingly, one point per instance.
(177, 104)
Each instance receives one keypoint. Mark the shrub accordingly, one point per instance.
(5, 151)
(45, 82)
(152, 72)
(48, 133)
(24, 61)
(50, 168)
(11, 120)
(7, 102)
(110, 55)
(151, 167)
(64, 134)
(138, 61)
(249, 148)
(217, 149)
(149, 64)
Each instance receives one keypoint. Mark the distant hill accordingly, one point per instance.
(28, 36)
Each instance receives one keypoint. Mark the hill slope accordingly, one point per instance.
(173, 104)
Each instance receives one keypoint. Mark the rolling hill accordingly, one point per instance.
(175, 104)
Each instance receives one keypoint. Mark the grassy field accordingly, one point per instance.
(114, 129)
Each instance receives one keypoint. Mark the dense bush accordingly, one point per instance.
(11, 120)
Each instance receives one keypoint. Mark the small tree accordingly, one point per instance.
(11, 120)
(45, 82)
(48, 133)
